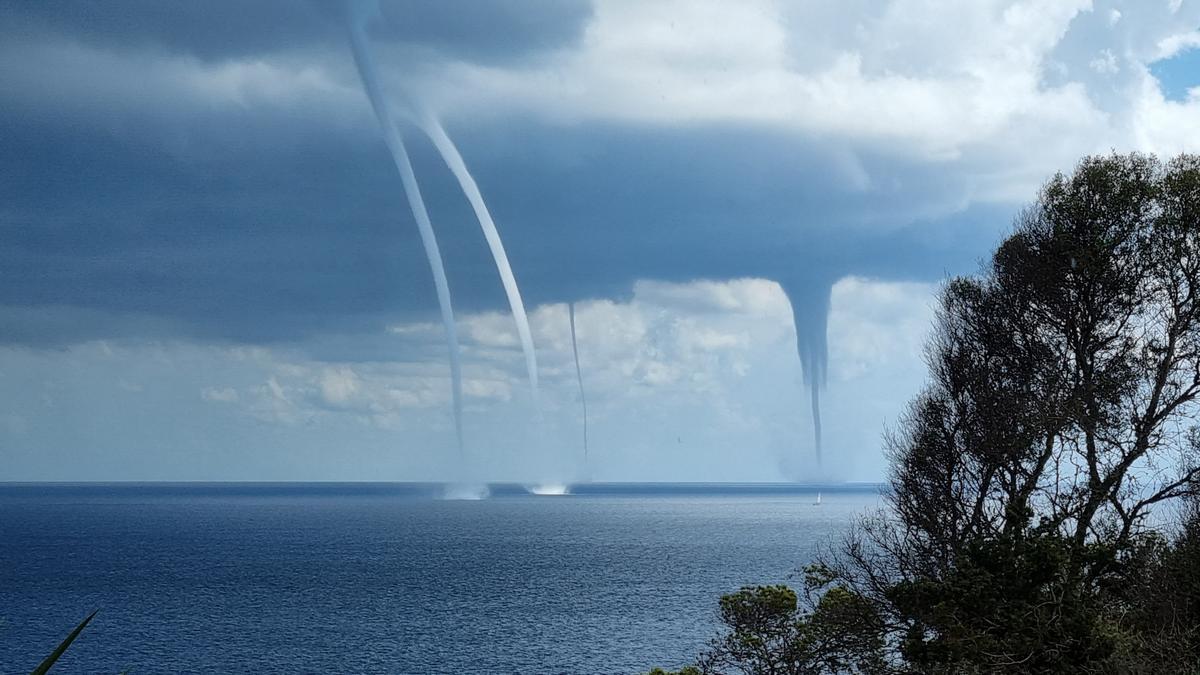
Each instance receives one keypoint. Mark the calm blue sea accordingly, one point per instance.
(387, 578)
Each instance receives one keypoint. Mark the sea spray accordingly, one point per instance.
(454, 160)
(465, 491)
(391, 136)
(550, 490)
(579, 379)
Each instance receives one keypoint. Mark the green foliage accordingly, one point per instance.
(768, 633)
(1006, 603)
(844, 633)
(759, 616)
(45, 665)
(1163, 598)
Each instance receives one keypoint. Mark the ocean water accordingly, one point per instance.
(387, 578)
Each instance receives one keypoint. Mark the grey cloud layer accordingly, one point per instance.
(212, 170)
(225, 29)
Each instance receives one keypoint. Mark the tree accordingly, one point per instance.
(1058, 419)
(769, 634)
(1165, 599)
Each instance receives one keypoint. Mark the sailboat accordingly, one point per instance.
(818, 502)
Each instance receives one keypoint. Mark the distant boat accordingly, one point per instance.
(818, 502)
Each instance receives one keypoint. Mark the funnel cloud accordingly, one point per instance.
(579, 379)
(453, 158)
(391, 136)
(810, 316)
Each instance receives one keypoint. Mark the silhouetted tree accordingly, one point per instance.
(1164, 600)
(1058, 420)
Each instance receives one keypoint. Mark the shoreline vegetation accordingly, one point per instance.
(1043, 507)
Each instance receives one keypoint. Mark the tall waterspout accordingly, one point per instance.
(579, 378)
(810, 315)
(454, 160)
(391, 136)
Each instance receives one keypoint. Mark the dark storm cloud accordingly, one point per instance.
(273, 220)
(259, 246)
(222, 29)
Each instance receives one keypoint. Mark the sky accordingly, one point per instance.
(208, 268)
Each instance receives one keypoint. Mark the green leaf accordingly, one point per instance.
(44, 666)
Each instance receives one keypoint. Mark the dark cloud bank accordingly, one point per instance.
(267, 223)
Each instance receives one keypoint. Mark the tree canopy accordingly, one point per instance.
(1034, 481)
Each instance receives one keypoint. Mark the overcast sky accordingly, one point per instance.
(208, 269)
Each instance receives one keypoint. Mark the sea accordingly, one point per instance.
(391, 577)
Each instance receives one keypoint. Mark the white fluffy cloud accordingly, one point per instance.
(875, 325)
(895, 75)
(685, 381)
(976, 85)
